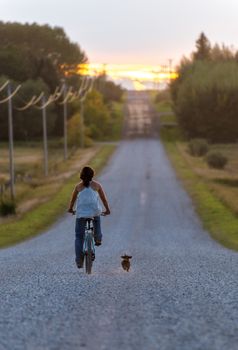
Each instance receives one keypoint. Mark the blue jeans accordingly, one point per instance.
(79, 235)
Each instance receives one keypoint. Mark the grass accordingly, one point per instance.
(214, 192)
(29, 158)
(166, 113)
(218, 218)
(39, 218)
(223, 183)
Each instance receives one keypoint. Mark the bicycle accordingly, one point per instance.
(88, 245)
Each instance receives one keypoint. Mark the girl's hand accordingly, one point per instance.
(106, 212)
(71, 211)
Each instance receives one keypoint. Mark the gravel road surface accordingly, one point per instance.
(181, 291)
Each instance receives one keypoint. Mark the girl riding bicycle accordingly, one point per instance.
(87, 195)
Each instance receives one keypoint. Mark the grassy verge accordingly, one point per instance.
(214, 192)
(45, 214)
(217, 215)
(163, 105)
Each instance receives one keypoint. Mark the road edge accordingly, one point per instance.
(217, 218)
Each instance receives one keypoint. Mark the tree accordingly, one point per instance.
(207, 104)
(16, 63)
(203, 47)
(222, 53)
(97, 116)
(32, 53)
(74, 132)
(42, 40)
(28, 123)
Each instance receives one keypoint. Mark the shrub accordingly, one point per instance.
(198, 147)
(216, 160)
(7, 208)
(74, 132)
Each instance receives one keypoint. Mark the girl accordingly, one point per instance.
(87, 195)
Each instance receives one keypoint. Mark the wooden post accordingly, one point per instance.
(45, 142)
(65, 125)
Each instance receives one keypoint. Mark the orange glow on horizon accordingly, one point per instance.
(138, 74)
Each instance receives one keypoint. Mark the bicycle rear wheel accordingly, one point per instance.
(88, 259)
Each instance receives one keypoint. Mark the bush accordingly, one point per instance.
(216, 160)
(74, 132)
(198, 147)
(7, 208)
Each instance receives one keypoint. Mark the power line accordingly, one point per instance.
(12, 94)
(4, 85)
(27, 105)
(68, 97)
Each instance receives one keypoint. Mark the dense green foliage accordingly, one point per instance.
(102, 121)
(28, 123)
(205, 94)
(109, 90)
(36, 57)
(41, 41)
(32, 55)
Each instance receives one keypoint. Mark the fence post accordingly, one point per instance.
(65, 125)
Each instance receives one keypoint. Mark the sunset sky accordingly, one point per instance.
(145, 32)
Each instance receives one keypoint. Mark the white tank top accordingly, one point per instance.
(88, 203)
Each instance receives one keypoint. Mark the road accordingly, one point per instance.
(180, 294)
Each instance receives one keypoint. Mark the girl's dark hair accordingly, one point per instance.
(86, 175)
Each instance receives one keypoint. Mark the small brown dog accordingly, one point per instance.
(126, 262)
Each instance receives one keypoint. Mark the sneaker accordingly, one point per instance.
(98, 243)
(79, 263)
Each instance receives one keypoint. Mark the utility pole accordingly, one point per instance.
(65, 125)
(10, 135)
(170, 69)
(45, 143)
(82, 123)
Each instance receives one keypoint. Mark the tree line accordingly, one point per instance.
(205, 94)
(36, 56)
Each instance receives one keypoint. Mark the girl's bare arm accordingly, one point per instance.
(104, 200)
(73, 199)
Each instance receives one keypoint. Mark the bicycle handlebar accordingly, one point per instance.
(73, 212)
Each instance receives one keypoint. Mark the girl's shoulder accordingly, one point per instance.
(95, 185)
(79, 186)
